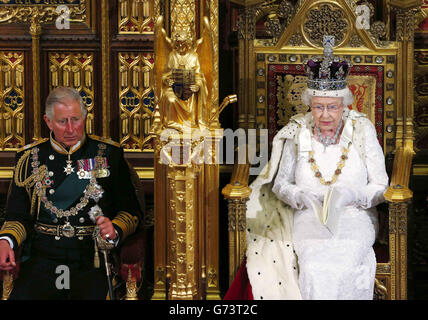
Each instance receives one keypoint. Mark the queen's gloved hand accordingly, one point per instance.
(307, 198)
(348, 196)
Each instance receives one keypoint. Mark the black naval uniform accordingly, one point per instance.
(45, 252)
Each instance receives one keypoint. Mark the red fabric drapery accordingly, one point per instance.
(240, 288)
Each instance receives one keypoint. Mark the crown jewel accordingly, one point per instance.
(327, 72)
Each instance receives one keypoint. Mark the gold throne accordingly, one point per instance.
(277, 37)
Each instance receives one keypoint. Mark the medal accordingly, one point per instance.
(93, 167)
(94, 191)
(69, 169)
(103, 173)
(81, 174)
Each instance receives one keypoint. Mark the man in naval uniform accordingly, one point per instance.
(62, 188)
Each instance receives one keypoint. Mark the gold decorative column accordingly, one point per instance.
(405, 21)
(210, 9)
(246, 36)
(210, 212)
(105, 54)
(398, 194)
(213, 15)
(36, 31)
(187, 136)
(183, 237)
(237, 194)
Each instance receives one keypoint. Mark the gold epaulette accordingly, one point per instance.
(105, 140)
(126, 222)
(21, 168)
(29, 146)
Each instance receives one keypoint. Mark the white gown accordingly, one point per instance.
(341, 266)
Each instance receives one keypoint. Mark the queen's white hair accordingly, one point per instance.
(61, 95)
(346, 94)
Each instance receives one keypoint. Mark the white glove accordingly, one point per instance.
(307, 198)
(347, 196)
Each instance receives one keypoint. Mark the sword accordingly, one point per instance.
(104, 246)
(108, 273)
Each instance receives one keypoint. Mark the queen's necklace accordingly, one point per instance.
(338, 170)
(341, 162)
(326, 141)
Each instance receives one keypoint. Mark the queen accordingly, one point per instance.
(290, 253)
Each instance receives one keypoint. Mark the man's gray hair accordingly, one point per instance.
(62, 95)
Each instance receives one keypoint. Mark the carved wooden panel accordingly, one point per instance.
(136, 99)
(12, 100)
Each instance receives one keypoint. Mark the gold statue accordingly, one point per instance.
(183, 75)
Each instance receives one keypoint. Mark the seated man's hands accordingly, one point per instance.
(7, 256)
(107, 229)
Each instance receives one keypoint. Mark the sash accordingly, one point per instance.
(70, 190)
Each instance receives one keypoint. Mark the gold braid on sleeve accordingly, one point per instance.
(126, 222)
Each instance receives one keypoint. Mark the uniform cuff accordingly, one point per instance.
(8, 240)
(116, 240)
(125, 223)
(15, 231)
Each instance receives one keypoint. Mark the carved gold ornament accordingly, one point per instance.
(12, 96)
(135, 17)
(326, 18)
(290, 88)
(184, 81)
(40, 13)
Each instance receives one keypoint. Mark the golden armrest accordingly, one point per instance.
(399, 191)
(238, 187)
(237, 193)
